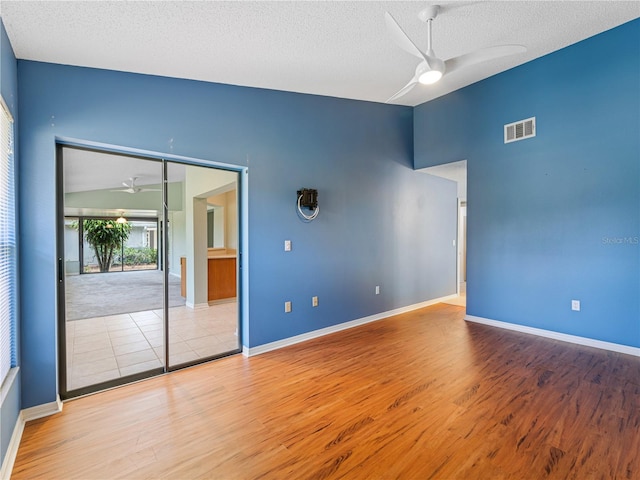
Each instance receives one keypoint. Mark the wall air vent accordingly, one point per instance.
(520, 130)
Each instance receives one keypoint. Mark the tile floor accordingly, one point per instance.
(106, 348)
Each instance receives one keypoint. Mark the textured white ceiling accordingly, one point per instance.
(339, 49)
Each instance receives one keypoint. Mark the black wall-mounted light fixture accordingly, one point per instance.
(308, 199)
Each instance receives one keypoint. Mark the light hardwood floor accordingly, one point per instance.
(422, 395)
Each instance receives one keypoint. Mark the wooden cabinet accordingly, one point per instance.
(221, 277)
(183, 276)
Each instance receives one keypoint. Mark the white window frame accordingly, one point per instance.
(8, 247)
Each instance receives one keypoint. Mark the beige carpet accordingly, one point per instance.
(102, 294)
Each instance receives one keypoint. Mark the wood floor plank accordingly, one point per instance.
(423, 395)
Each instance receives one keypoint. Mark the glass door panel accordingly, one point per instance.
(202, 260)
(140, 250)
(112, 319)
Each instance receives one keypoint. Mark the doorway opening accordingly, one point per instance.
(457, 172)
(136, 273)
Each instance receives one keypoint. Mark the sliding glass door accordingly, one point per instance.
(112, 311)
(135, 298)
(202, 206)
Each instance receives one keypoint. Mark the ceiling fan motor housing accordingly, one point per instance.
(429, 13)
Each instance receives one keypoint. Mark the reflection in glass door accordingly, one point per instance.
(135, 298)
(112, 313)
(202, 205)
(136, 249)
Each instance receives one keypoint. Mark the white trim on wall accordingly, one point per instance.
(267, 347)
(563, 337)
(197, 306)
(12, 450)
(25, 416)
(40, 411)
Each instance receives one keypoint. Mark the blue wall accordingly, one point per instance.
(10, 406)
(381, 223)
(555, 217)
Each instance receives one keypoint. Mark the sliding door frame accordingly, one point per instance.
(239, 278)
(242, 272)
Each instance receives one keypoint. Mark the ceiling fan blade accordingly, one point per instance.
(404, 90)
(149, 190)
(402, 39)
(126, 184)
(482, 55)
(124, 190)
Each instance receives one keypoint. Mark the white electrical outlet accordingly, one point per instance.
(377, 289)
(314, 301)
(287, 307)
(287, 245)
(575, 305)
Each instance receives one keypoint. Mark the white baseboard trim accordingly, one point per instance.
(197, 306)
(26, 415)
(40, 411)
(285, 342)
(564, 337)
(12, 450)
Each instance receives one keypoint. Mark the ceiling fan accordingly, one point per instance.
(432, 68)
(133, 188)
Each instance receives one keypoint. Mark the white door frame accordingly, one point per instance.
(461, 242)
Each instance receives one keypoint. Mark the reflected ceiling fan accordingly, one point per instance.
(133, 188)
(432, 68)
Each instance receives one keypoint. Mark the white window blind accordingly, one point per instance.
(7, 246)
